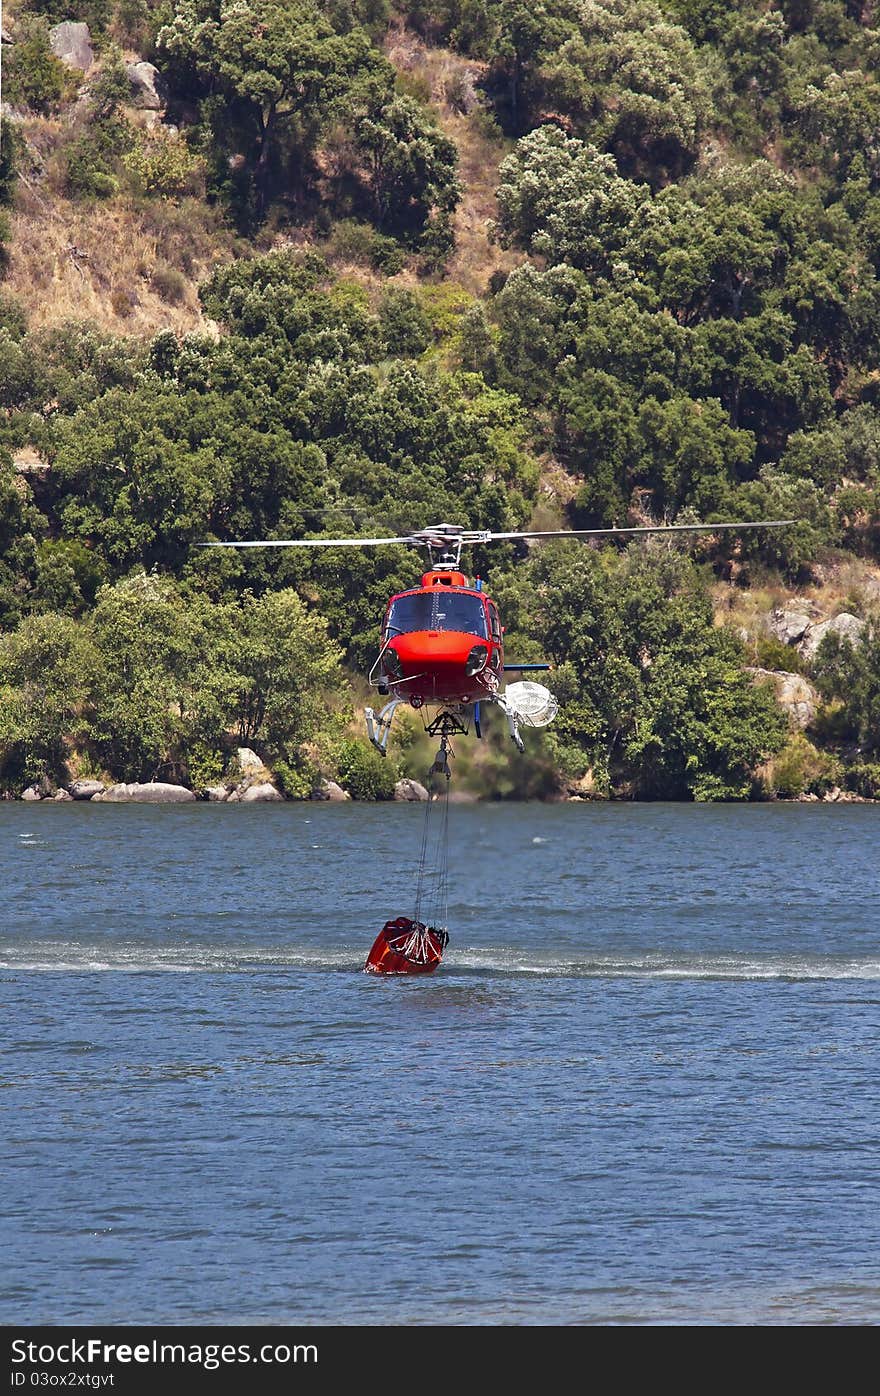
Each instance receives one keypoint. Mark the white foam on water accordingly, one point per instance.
(80, 957)
(685, 965)
(69, 957)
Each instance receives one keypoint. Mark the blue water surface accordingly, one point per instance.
(640, 1089)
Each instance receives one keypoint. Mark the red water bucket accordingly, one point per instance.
(406, 947)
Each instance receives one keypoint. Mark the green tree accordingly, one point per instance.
(156, 688)
(633, 83)
(565, 200)
(282, 666)
(48, 673)
(277, 70)
(851, 674)
(661, 692)
(410, 163)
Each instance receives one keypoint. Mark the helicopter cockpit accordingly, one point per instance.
(438, 609)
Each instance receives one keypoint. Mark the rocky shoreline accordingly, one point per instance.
(265, 792)
(255, 784)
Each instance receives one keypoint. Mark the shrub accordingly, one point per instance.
(133, 26)
(864, 779)
(204, 765)
(486, 125)
(13, 318)
(162, 164)
(123, 302)
(296, 784)
(358, 242)
(800, 769)
(169, 284)
(437, 243)
(445, 307)
(771, 653)
(414, 85)
(387, 255)
(10, 149)
(365, 774)
(86, 173)
(405, 326)
(352, 241)
(33, 76)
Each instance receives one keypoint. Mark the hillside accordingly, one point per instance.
(603, 263)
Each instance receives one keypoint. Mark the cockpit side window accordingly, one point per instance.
(494, 623)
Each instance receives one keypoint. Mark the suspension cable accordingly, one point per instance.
(432, 873)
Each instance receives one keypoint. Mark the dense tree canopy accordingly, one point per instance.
(682, 321)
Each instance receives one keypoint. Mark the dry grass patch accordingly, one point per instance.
(120, 266)
(444, 77)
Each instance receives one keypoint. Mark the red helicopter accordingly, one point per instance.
(442, 641)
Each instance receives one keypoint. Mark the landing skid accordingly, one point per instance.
(379, 727)
(446, 723)
(513, 721)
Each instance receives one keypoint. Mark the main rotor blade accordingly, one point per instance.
(624, 532)
(312, 543)
(438, 539)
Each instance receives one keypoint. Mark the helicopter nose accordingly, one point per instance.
(447, 649)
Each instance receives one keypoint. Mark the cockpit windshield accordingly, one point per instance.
(438, 609)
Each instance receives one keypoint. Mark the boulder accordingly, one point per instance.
(794, 693)
(248, 760)
(32, 793)
(155, 792)
(788, 624)
(72, 43)
(85, 789)
(848, 627)
(260, 794)
(148, 88)
(329, 790)
(215, 793)
(410, 790)
(62, 795)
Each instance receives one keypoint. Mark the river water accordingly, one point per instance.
(643, 1086)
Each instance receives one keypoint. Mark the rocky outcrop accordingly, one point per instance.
(155, 792)
(62, 795)
(72, 43)
(794, 693)
(33, 792)
(248, 761)
(410, 790)
(148, 88)
(846, 626)
(329, 790)
(216, 794)
(460, 91)
(260, 794)
(789, 624)
(85, 789)
(836, 796)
